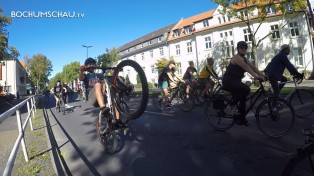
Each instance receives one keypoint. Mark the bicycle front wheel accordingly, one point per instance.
(106, 133)
(217, 114)
(302, 102)
(301, 164)
(275, 117)
(132, 73)
(185, 102)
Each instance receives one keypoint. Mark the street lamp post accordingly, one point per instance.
(86, 49)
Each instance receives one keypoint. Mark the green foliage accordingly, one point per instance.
(70, 72)
(6, 51)
(150, 85)
(110, 58)
(39, 68)
(162, 63)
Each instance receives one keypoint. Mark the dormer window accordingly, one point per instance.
(176, 33)
(270, 10)
(205, 23)
(188, 30)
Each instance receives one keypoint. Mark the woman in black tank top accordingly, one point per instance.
(232, 79)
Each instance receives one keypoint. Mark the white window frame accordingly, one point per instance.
(188, 30)
(161, 51)
(294, 30)
(205, 23)
(189, 47)
(208, 42)
(297, 57)
(275, 31)
(178, 52)
(247, 35)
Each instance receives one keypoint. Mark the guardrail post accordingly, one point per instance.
(30, 119)
(33, 107)
(34, 103)
(21, 131)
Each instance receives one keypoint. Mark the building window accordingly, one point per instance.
(249, 56)
(219, 20)
(221, 35)
(224, 19)
(230, 33)
(142, 55)
(178, 50)
(275, 31)
(208, 43)
(188, 30)
(150, 42)
(161, 51)
(205, 23)
(270, 10)
(244, 14)
(178, 68)
(232, 47)
(153, 68)
(294, 31)
(176, 33)
(297, 56)
(189, 47)
(159, 39)
(247, 35)
(151, 53)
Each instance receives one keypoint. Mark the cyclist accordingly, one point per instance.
(93, 87)
(205, 74)
(232, 81)
(275, 68)
(189, 76)
(164, 80)
(58, 91)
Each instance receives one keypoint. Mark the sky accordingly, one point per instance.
(98, 23)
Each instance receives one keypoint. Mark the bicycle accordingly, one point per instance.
(300, 99)
(184, 100)
(302, 161)
(60, 105)
(198, 89)
(106, 123)
(270, 111)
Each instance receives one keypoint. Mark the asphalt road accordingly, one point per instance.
(173, 143)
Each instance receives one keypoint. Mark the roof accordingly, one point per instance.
(147, 37)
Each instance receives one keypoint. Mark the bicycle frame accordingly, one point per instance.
(295, 89)
(259, 92)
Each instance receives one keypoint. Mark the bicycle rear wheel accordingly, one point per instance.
(275, 117)
(300, 164)
(303, 102)
(106, 133)
(217, 115)
(132, 73)
(197, 92)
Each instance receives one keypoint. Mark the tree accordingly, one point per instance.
(70, 72)
(39, 68)
(6, 51)
(162, 63)
(256, 12)
(110, 58)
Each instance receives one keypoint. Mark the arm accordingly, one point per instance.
(239, 61)
(289, 66)
(170, 77)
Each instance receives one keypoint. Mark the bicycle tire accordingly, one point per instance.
(300, 164)
(108, 140)
(139, 99)
(185, 101)
(62, 106)
(275, 117)
(302, 102)
(217, 115)
(197, 92)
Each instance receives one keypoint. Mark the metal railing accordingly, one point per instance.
(31, 108)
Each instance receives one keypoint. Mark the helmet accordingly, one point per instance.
(90, 60)
(241, 44)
